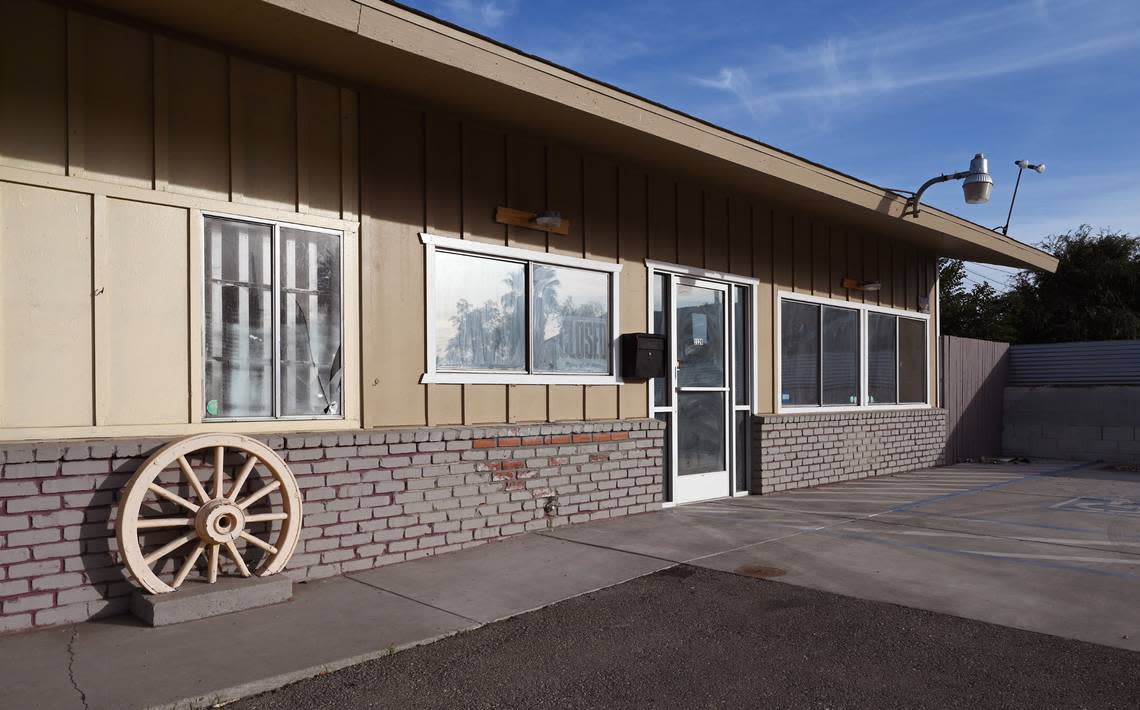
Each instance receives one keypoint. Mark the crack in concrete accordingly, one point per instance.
(71, 666)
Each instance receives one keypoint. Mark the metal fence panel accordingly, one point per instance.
(1106, 362)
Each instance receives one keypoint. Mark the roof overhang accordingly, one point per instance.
(375, 43)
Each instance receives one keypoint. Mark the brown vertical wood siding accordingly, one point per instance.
(423, 170)
(112, 136)
(976, 373)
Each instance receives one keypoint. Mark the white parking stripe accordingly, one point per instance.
(1059, 558)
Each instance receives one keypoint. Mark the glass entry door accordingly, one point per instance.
(705, 398)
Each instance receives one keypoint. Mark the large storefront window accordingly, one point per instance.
(273, 325)
(500, 314)
(826, 359)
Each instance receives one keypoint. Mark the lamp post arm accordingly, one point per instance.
(1005, 229)
(912, 204)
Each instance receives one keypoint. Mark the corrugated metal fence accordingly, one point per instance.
(1105, 362)
(974, 376)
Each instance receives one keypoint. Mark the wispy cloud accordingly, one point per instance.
(838, 72)
(485, 15)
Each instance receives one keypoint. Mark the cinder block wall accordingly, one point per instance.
(1079, 423)
(801, 450)
(371, 498)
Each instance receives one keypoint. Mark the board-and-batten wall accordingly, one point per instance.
(424, 170)
(113, 141)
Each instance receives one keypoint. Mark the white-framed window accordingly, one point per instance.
(837, 355)
(502, 315)
(273, 320)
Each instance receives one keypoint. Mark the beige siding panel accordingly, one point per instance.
(740, 243)
(898, 265)
(600, 217)
(886, 272)
(871, 267)
(820, 259)
(526, 190)
(146, 263)
(318, 147)
(762, 263)
(392, 267)
(349, 155)
(46, 372)
(264, 139)
(484, 189)
(198, 120)
(855, 252)
(838, 268)
(716, 231)
(33, 86)
(632, 248)
(690, 226)
(564, 193)
(117, 103)
(783, 250)
(802, 270)
(443, 146)
(662, 219)
(914, 277)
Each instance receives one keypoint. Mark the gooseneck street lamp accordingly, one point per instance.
(1022, 166)
(976, 185)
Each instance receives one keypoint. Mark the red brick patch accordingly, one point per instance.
(582, 438)
(603, 436)
(512, 465)
(509, 441)
(559, 438)
(532, 440)
(484, 444)
(619, 435)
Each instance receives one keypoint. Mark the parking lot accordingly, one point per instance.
(1050, 547)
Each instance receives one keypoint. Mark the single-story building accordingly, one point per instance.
(401, 257)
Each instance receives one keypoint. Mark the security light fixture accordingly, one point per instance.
(976, 185)
(1022, 166)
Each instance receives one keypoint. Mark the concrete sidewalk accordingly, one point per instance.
(1053, 548)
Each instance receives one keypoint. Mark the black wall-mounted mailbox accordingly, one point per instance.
(642, 356)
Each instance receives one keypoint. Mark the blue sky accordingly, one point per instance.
(893, 93)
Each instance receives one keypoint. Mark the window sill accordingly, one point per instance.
(506, 378)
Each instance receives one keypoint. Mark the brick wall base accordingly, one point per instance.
(800, 450)
(1099, 423)
(371, 498)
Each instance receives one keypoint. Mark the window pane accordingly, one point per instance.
(840, 356)
(661, 389)
(799, 353)
(700, 336)
(571, 320)
(741, 345)
(700, 431)
(912, 360)
(309, 289)
(239, 319)
(480, 313)
(881, 358)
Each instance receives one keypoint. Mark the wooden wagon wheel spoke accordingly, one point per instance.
(242, 475)
(173, 497)
(168, 548)
(188, 565)
(261, 493)
(216, 519)
(192, 479)
(149, 523)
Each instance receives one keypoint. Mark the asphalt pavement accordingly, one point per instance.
(688, 637)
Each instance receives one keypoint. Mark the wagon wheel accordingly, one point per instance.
(214, 518)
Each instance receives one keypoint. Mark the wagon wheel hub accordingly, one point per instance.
(219, 521)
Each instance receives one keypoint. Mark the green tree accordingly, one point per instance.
(1094, 295)
(978, 312)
